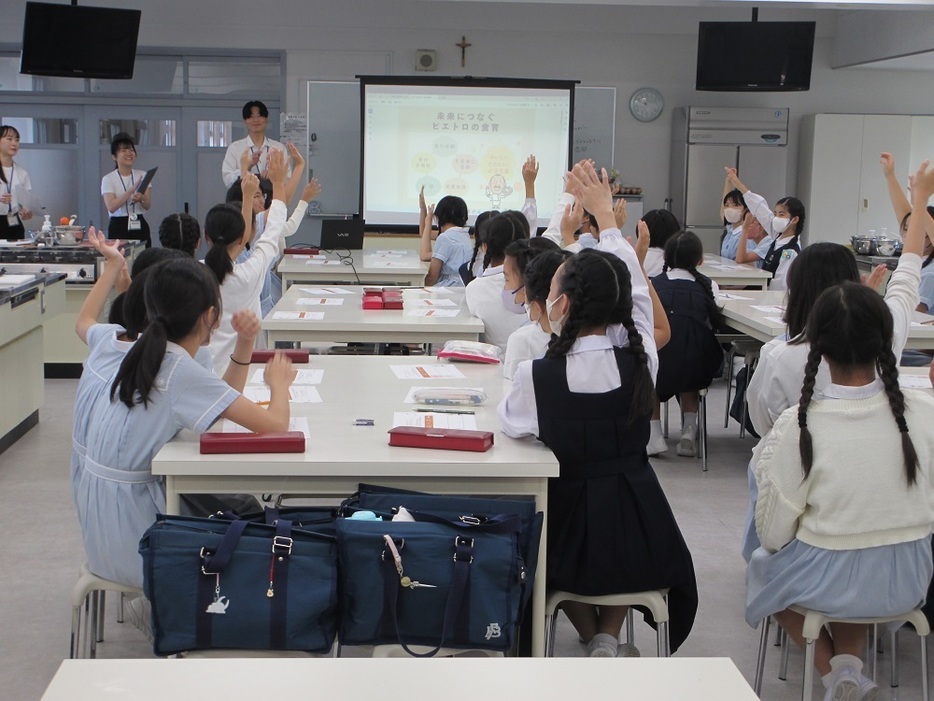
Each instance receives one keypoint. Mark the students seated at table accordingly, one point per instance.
(693, 356)
(530, 265)
(181, 232)
(610, 528)
(158, 388)
(242, 282)
(844, 510)
(776, 383)
(783, 228)
(486, 296)
(452, 248)
(662, 225)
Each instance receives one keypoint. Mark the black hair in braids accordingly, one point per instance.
(684, 250)
(524, 251)
(850, 325)
(223, 227)
(500, 232)
(590, 284)
(523, 230)
(180, 231)
(539, 271)
(643, 395)
(177, 293)
(478, 231)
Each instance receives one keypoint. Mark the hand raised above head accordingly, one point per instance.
(874, 279)
(421, 199)
(111, 250)
(294, 153)
(593, 191)
(249, 186)
(887, 161)
(530, 169)
(312, 190)
(570, 222)
(922, 186)
(277, 166)
(619, 211)
(643, 239)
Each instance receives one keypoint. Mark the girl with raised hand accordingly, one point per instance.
(693, 356)
(844, 509)
(732, 212)
(452, 247)
(610, 528)
(242, 282)
(157, 390)
(487, 297)
(662, 225)
(783, 229)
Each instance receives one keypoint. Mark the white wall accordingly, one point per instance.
(625, 47)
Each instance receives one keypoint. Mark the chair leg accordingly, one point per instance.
(760, 658)
(778, 636)
(729, 386)
(665, 421)
(871, 651)
(550, 625)
(120, 607)
(75, 632)
(90, 623)
(702, 433)
(101, 612)
(783, 667)
(663, 642)
(630, 628)
(807, 684)
(893, 651)
(925, 691)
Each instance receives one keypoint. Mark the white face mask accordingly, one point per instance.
(780, 224)
(555, 324)
(732, 214)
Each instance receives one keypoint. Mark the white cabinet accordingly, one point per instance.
(840, 180)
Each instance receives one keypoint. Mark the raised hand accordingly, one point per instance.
(570, 222)
(887, 161)
(312, 190)
(278, 168)
(643, 238)
(246, 324)
(874, 279)
(529, 170)
(922, 185)
(249, 186)
(421, 200)
(593, 191)
(279, 374)
(111, 250)
(733, 178)
(619, 212)
(295, 155)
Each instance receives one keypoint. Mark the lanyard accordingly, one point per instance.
(258, 171)
(9, 188)
(130, 206)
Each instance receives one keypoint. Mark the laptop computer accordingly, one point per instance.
(342, 233)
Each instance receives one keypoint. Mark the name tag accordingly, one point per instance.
(133, 223)
(12, 219)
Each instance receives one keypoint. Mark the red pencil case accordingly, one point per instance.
(302, 251)
(441, 438)
(296, 355)
(285, 442)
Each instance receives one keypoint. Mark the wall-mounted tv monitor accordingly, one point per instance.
(754, 56)
(460, 136)
(79, 41)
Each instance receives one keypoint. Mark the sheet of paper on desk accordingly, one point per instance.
(320, 301)
(322, 261)
(429, 419)
(307, 316)
(410, 397)
(437, 290)
(431, 311)
(767, 308)
(427, 372)
(428, 302)
(730, 295)
(304, 377)
(387, 254)
(914, 381)
(299, 394)
(721, 266)
(318, 291)
(383, 263)
(296, 423)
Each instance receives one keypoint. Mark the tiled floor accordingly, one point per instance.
(41, 552)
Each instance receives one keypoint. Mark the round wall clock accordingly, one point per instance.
(646, 104)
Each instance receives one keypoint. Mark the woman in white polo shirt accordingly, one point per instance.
(120, 190)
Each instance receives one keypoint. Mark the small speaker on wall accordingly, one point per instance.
(426, 60)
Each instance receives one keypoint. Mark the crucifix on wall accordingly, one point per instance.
(462, 45)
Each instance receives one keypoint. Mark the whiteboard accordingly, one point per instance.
(594, 125)
(333, 109)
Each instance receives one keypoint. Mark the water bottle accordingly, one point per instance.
(47, 231)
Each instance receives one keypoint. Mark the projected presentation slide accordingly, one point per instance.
(465, 141)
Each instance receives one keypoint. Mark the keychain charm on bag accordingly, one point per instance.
(404, 579)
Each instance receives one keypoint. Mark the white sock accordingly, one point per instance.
(655, 429)
(838, 661)
(689, 421)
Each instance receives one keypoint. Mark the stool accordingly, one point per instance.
(749, 350)
(655, 601)
(701, 438)
(814, 622)
(399, 651)
(90, 591)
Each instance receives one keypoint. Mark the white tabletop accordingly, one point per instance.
(370, 267)
(726, 272)
(738, 309)
(452, 679)
(349, 322)
(339, 455)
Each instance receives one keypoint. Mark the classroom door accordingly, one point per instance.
(156, 132)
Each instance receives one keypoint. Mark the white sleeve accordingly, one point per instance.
(518, 412)
(612, 241)
(765, 396)
(266, 247)
(553, 231)
(230, 170)
(760, 209)
(291, 226)
(530, 212)
(782, 491)
(902, 297)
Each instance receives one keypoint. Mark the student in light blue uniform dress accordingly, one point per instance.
(732, 211)
(135, 401)
(452, 247)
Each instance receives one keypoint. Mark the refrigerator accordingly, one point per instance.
(704, 140)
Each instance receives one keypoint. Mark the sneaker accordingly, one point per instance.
(602, 645)
(139, 611)
(868, 689)
(845, 685)
(687, 447)
(627, 650)
(656, 446)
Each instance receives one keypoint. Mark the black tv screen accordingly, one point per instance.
(754, 56)
(79, 41)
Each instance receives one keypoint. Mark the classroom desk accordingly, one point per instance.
(453, 679)
(370, 267)
(349, 322)
(764, 327)
(724, 271)
(339, 455)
